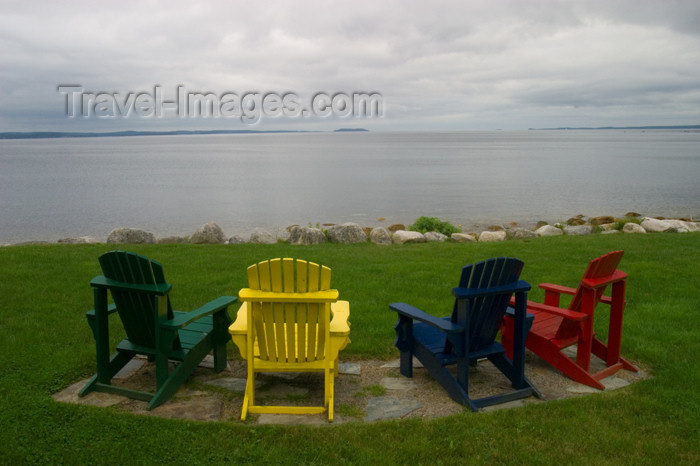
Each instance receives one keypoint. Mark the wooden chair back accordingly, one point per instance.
(137, 311)
(486, 312)
(291, 309)
(601, 268)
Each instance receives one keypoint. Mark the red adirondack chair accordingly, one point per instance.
(555, 328)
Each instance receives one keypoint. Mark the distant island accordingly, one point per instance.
(690, 127)
(349, 130)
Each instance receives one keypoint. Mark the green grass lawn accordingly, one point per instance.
(47, 345)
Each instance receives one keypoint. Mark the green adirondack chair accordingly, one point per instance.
(153, 329)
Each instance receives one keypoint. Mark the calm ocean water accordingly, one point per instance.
(170, 185)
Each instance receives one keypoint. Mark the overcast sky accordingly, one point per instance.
(462, 65)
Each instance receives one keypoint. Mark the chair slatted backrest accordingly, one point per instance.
(292, 330)
(599, 268)
(486, 313)
(136, 310)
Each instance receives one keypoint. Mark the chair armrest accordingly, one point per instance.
(340, 311)
(240, 325)
(565, 313)
(557, 288)
(552, 293)
(414, 313)
(211, 307)
(160, 289)
(594, 283)
(327, 296)
(516, 287)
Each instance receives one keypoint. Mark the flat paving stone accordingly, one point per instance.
(130, 368)
(397, 363)
(350, 368)
(397, 383)
(102, 400)
(610, 383)
(613, 383)
(235, 384)
(389, 407)
(582, 389)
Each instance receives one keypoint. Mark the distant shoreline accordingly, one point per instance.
(60, 134)
(567, 128)
(129, 133)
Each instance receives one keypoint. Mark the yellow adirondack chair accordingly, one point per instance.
(298, 325)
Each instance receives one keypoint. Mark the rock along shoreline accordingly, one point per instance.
(353, 233)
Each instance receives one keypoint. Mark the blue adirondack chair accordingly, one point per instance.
(152, 328)
(481, 300)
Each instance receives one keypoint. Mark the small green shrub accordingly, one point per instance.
(426, 224)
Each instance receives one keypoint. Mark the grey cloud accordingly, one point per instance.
(456, 64)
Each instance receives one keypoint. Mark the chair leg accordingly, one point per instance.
(508, 327)
(603, 352)
(553, 355)
(330, 385)
(221, 337)
(174, 380)
(104, 374)
(404, 342)
(249, 395)
(406, 363)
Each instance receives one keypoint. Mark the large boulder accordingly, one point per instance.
(522, 233)
(575, 221)
(380, 235)
(683, 226)
(236, 239)
(306, 235)
(405, 236)
(548, 230)
(463, 237)
(347, 233)
(130, 236)
(490, 236)
(435, 236)
(262, 236)
(654, 225)
(633, 228)
(602, 220)
(209, 233)
(578, 230)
